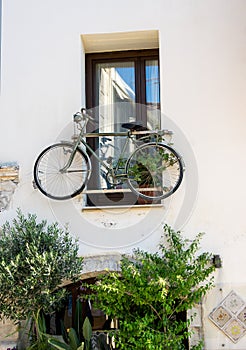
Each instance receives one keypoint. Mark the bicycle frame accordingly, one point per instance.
(110, 169)
(113, 171)
(129, 135)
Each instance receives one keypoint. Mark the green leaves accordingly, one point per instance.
(153, 291)
(73, 342)
(35, 258)
(57, 344)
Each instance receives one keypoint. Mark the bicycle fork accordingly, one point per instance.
(70, 160)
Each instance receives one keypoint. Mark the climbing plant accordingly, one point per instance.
(153, 291)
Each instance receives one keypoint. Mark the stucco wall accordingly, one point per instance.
(203, 71)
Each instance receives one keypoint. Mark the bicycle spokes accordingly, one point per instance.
(154, 171)
(58, 175)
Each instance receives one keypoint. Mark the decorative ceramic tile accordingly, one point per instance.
(242, 316)
(230, 316)
(233, 302)
(234, 330)
(220, 316)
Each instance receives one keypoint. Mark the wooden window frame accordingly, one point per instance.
(139, 57)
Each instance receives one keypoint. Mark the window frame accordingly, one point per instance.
(139, 57)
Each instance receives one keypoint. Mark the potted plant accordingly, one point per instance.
(147, 172)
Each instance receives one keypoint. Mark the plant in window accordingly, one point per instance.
(152, 292)
(147, 169)
(35, 258)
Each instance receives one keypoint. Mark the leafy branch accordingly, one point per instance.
(153, 291)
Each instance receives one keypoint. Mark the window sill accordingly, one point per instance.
(134, 207)
(116, 198)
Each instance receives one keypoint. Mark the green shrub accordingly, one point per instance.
(152, 291)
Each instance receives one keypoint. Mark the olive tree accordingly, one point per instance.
(35, 259)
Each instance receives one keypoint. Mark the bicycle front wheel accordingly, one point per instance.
(154, 171)
(52, 176)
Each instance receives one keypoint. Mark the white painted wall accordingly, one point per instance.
(203, 74)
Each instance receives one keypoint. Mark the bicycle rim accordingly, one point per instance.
(54, 183)
(154, 171)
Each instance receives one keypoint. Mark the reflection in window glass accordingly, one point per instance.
(152, 82)
(115, 83)
(152, 94)
(115, 94)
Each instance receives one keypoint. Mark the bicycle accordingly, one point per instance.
(153, 170)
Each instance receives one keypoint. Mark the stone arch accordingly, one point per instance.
(96, 264)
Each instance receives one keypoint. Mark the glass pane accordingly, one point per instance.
(152, 82)
(152, 93)
(115, 100)
(115, 85)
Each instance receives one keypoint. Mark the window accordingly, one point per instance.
(121, 87)
(117, 77)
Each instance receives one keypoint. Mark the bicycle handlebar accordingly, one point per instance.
(83, 115)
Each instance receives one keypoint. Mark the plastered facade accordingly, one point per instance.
(202, 71)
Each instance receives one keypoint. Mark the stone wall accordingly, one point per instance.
(8, 335)
(9, 178)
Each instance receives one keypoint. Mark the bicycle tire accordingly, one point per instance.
(61, 185)
(154, 171)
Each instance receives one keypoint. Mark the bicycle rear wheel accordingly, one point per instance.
(154, 171)
(60, 184)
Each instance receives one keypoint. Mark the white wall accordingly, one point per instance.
(203, 71)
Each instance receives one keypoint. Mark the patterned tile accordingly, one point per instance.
(230, 316)
(233, 302)
(242, 316)
(220, 316)
(234, 330)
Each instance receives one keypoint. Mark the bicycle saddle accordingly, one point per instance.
(134, 126)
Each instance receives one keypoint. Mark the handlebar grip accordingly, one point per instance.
(82, 115)
(77, 117)
(84, 112)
